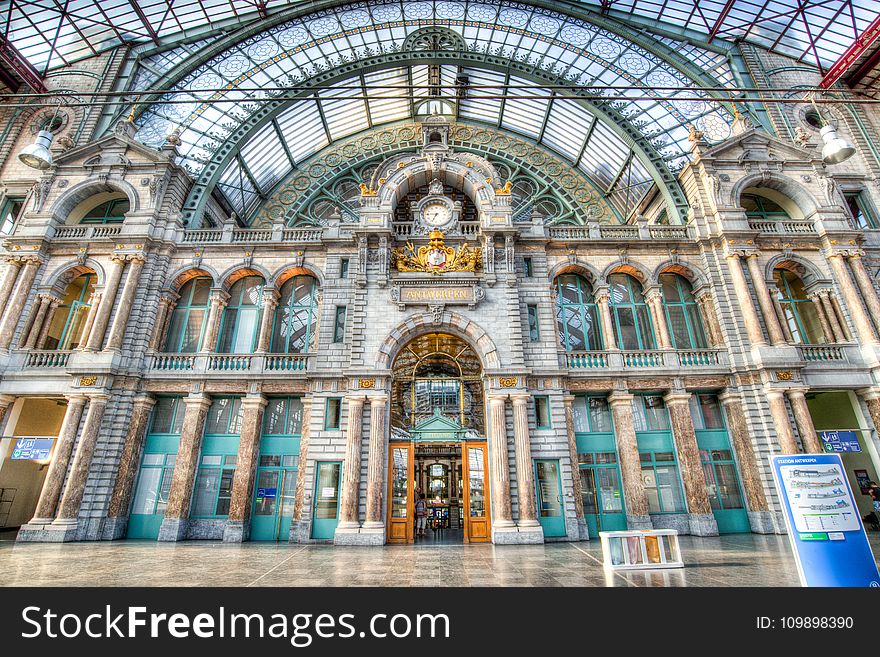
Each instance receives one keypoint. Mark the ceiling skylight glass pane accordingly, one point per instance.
(567, 126)
(302, 129)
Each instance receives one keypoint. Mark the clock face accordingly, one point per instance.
(436, 214)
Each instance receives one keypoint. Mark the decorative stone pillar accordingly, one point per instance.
(804, 421)
(167, 301)
(838, 329)
(700, 518)
(44, 301)
(219, 298)
(375, 465)
(17, 299)
(300, 491)
(706, 303)
(744, 298)
(654, 298)
(780, 315)
(630, 464)
(583, 531)
(54, 481)
(238, 522)
(500, 470)
(351, 469)
(760, 517)
(176, 520)
(784, 431)
(71, 500)
(827, 331)
(120, 501)
(602, 300)
(94, 304)
(525, 469)
(105, 307)
(864, 326)
(270, 302)
(771, 321)
(863, 280)
(7, 283)
(872, 401)
(126, 301)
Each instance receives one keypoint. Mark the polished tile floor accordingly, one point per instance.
(738, 560)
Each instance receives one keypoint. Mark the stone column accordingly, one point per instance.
(827, 331)
(17, 300)
(238, 522)
(864, 326)
(351, 470)
(602, 300)
(525, 469)
(803, 419)
(166, 306)
(760, 517)
(863, 280)
(831, 314)
(120, 501)
(176, 519)
(706, 304)
(784, 431)
(94, 304)
(306, 432)
(105, 307)
(500, 470)
(700, 517)
(575, 467)
(375, 464)
(270, 301)
(780, 316)
(654, 298)
(771, 321)
(54, 481)
(71, 500)
(42, 308)
(13, 266)
(120, 322)
(872, 401)
(630, 465)
(47, 323)
(744, 297)
(219, 298)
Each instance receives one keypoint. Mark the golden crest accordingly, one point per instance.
(436, 257)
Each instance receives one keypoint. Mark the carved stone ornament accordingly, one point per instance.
(507, 381)
(366, 384)
(784, 376)
(436, 258)
(436, 314)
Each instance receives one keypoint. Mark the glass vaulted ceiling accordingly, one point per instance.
(555, 44)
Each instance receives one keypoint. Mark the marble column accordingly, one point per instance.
(176, 519)
(500, 467)
(744, 298)
(376, 463)
(305, 435)
(54, 481)
(219, 298)
(760, 517)
(575, 467)
(349, 498)
(163, 315)
(634, 496)
(714, 333)
(804, 421)
(120, 500)
(238, 522)
(780, 316)
(602, 301)
(872, 401)
(827, 332)
(654, 299)
(784, 430)
(866, 285)
(771, 321)
(525, 469)
(47, 323)
(126, 301)
(94, 304)
(270, 302)
(71, 500)
(7, 283)
(838, 329)
(105, 307)
(44, 301)
(864, 326)
(17, 299)
(700, 517)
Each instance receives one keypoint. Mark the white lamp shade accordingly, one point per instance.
(37, 155)
(836, 149)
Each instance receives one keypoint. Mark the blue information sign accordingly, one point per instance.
(32, 449)
(824, 525)
(267, 492)
(840, 441)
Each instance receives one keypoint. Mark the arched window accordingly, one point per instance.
(296, 316)
(66, 331)
(108, 212)
(798, 311)
(630, 313)
(241, 318)
(762, 208)
(187, 325)
(576, 314)
(682, 313)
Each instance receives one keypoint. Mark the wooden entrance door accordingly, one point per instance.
(475, 473)
(400, 493)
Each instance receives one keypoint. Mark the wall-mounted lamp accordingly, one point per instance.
(37, 155)
(834, 149)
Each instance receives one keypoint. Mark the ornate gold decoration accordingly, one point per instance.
(436, 257)
(366, 383)
(507, 381)
(504, 191)
(88, 380)
(366, 190)
(785, 376)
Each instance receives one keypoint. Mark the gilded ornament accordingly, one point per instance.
(366, 190)
(365, 384)
(507, 381)
(506, 189)
(88, 380)
(784, 376)
(436, 257)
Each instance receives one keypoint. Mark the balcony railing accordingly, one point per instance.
(597, 232)
(783, 227)
(47, 359)
(251, 235)
(703, 358)
(815, 353)
(228, 363)
(86, 232)
(467, 228)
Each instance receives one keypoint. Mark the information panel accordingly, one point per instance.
(840, 441)
(824, 526)
(32, 449)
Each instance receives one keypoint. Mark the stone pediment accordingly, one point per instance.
(437, 428)
(112, 150)
(757, 145)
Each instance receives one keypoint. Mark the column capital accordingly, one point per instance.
(774, 393)
(519, 398)
(198, 399)
(568, 399)
(356, 399)
(677, 397)
(6, 400)
(496, 398)
(254, 399)
(168, 297)
(620, 398)
(76, 398)
(98, 397)
(219, 295)
(797, 391)
(270, 296)
(728, 396)
(652, 292)
(378, 398)
(145, 399)
(868, 394)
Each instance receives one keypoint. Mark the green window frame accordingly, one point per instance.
(762, 208)
(296, 316)
(240, 324)
(720, 470)
(577, 316)
(542, 412)
(74, 313)
(109, 212)
(343, 268)
(333, 413)
(186, 329)
(528, 267)
(339, 324)
(798, 311)
(860, 210)
(534, 328)
(9, 214)
(156, 472)
(682, 313)
(659, 461)
(629, 313)
(212, 492)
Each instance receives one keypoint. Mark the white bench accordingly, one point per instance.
(641, 549)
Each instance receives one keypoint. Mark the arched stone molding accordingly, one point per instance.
(189, 272)
(286, 272)
(62, 276)
(693, 274)
(796, 192)
(634, 269)
(576, 267)
(80, 192)
(807, 271)
(450, 322)
(237, 272)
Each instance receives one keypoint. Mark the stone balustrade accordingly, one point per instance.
(249, 364)
(86, 232)
(783, 227)
(47, 359)
(647, 359)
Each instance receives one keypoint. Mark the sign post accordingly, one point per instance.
(824, 526)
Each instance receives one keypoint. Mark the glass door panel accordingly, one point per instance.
(476, 493)
(400, 494)
(326, 511)
(549, 489)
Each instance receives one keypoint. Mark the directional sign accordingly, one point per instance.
(840, 441)
(32, 449)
